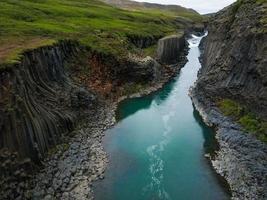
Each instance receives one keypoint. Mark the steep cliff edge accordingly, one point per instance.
(231, 95)
(234, 60)
(169, 47)
(38, 100)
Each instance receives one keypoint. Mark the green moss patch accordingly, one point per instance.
(245, 118)
(132, 88)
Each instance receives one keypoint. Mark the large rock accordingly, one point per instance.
(169, 48)
(143, 70)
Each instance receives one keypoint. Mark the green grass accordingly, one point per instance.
(150, 51)
(245, 118)
(132, 88)
(236, 6)
(230, 108)
(93, 23)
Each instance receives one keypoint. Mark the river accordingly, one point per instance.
(157, 148)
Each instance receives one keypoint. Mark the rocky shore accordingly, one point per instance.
(241, 158)
(69, 174)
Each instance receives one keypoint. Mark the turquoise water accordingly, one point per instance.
(156, 150)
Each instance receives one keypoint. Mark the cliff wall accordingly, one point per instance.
(169, 48)
(38, 101)
(42, 96)
(234, 60)
(234, 67)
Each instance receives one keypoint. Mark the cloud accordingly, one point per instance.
(202, 6)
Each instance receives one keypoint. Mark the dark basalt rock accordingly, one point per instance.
(143, 70)
(141, 41)
(36, 107)
(169, 48)
(234, 60)
(81, 98)
(39, 105)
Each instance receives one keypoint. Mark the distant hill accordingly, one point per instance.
(29, 24)
(127, 4)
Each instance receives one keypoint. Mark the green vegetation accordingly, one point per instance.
(132, 88)
(230, 108)
(27, 24)
(262, 17)
(248, 120)
(261, 1)
(150, 51)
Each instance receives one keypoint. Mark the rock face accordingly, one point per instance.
(234, 66)
(43, 98)
(169, 48)
(234, 60)
(144, 70)
(37, 101)
(142, 42)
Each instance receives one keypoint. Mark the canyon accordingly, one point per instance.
(59, 97)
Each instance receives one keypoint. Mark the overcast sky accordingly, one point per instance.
(202, 6)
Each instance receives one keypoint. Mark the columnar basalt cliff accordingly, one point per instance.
(234, 60)
(169, 47)
(38, 99)
(234, 67)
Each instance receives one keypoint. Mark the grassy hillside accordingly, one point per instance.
(26, 24)
(173, 10)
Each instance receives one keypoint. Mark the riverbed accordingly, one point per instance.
(157, 148)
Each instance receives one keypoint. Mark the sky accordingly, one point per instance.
(202, 6)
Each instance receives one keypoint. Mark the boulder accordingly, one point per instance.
(143, 70)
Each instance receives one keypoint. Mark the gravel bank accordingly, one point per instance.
(241, 158)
